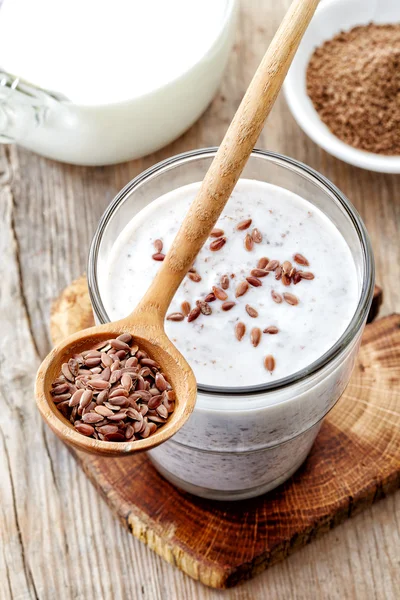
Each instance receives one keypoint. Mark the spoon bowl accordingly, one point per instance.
(157, 345)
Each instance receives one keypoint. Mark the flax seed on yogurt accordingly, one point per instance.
(272, 260)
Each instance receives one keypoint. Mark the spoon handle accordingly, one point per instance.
(230, 158)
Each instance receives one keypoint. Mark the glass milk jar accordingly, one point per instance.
(95, 83)
(243, 440)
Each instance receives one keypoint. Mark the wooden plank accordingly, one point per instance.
(55, 209)
(354, 462)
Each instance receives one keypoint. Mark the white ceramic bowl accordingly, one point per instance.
(331, 17)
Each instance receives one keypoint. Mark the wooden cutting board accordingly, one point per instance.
(354, 462)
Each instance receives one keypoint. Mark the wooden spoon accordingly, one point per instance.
(146, 322)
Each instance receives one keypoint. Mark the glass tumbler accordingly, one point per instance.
(242, 442)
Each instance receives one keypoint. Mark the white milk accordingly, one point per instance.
(99, 52)
(129, 76)
(289, 225)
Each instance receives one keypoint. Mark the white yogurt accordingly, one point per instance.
(289, 225)
(237, 446)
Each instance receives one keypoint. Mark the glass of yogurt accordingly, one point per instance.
(272, 351)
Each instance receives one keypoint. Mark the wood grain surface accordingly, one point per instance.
(57, 536)
(354, 462)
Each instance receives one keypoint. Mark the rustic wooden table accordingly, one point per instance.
(57, 537)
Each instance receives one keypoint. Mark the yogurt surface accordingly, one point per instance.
(288, 225)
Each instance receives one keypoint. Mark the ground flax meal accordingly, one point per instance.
(353, 81)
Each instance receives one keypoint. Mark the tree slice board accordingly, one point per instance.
(354, 462)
